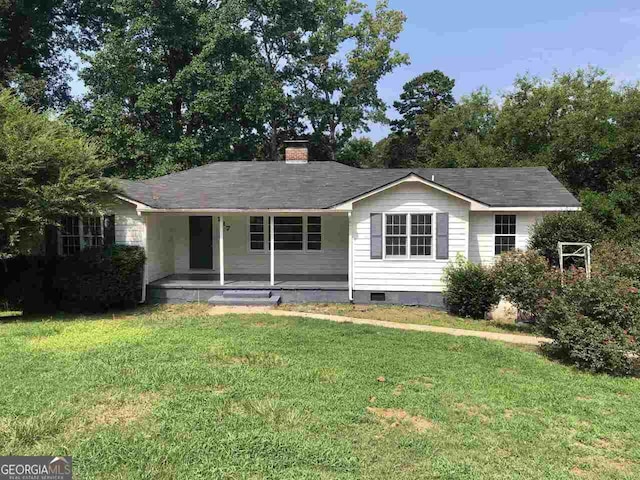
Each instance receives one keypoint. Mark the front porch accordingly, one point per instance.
(290, 288)
(294, 257)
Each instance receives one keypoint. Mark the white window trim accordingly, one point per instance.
(83, 244)
(305, 234)
(496, 235)
(408, 255)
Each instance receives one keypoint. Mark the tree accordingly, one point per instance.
(356, 152)
(280, 28)
(173, 85)
(425, 97)
(462, 136)
(577, 124)
(338, 93)
(47, 170)
(34, 38)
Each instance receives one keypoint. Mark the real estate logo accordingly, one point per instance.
(35, 468)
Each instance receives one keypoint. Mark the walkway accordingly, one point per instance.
(458, 332)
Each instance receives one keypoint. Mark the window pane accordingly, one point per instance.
(314, 233)
(288, 233)
(288, 221)
(396, 246)
(289, 245)
(421, 235)
(256, 233)
(505, 243)
(505, 225)
(288, 237)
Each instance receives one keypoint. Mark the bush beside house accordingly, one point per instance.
(594, 325)
(470, 289)
(92, 280)
(525, 279)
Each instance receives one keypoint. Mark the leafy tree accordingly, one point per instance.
(47, 170)
(462, 136)
(563, 227)
(173, 85)
(336, 92)
(357, 152)
(424, 97)
(34, 38)
(280, 29)
(577, 124)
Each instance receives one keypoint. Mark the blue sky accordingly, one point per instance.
(487, 43)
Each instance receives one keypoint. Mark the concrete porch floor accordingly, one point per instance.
(206, 281)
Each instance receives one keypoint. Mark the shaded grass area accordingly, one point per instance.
(176, 393)
(415, 315)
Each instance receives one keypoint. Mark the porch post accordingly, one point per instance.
(350, 279)
(272, 254)
(221, 245)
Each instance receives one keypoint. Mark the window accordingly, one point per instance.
(416, 241)
(314, 233)
(70, 235)
(79, 233)
(505, 233)
(288, 233)
(421, 236)
(92, 232)
(396, 235)
(256, 233)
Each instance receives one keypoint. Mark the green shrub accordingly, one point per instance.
(90, 281)
(469, 289)
(563, 227)
(526, 280)
(594, 325)
(610, 258)
(99, 279)
(26, 284)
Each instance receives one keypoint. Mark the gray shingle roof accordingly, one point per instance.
(318, 185)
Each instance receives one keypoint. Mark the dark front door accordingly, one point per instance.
(201, 242)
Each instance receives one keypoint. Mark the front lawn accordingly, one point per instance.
(177, 393)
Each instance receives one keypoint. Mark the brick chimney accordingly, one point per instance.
(296, 151)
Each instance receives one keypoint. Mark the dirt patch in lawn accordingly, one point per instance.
(474, 411)
(396, 417)
(123, 412)
(596, 467)
(113, 410)
(252, 359)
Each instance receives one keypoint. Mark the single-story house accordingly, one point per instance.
(296, 231)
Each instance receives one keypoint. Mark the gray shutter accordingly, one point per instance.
(376, 235)
(442, 236)
(109, 230)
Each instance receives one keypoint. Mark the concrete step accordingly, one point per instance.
(247, 293)
(244, 301)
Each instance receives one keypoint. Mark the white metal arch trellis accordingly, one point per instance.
(582, 250)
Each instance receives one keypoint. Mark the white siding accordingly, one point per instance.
(160, 246)
(410, 274)
(129, 225)
(238, 259)
(481, 234)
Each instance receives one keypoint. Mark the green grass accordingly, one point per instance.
(176, 393)
(415, 315)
